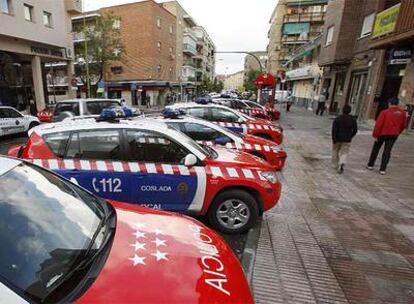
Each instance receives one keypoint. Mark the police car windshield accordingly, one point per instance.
(46, 225)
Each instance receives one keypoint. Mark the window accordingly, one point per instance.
(159, 45)
(223, 115)
(47, 19)
(170, 50)
(57, 142)
(146, 146)
(200, 132)
(117, 24)
(99, 144)
(28, 12)
(55, 221)
(159, 22)
(367, 25)
(9, 113)
(72, 107)
(171, 29)
(329, 35)
(197, 112)
(5, 6)
(96, 107)
(238, 105)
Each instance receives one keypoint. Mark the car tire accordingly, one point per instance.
(32, 125)
(237, 206)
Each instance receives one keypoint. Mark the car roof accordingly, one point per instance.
(91, 123)
(86, 99)
(184, 105)
(7, 164)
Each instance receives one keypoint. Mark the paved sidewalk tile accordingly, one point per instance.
(337, 238)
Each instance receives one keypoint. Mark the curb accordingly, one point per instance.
(249, 252)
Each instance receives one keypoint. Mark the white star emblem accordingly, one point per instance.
(158, 231)
(159, 242)
(160, 255)
(138, 245)
(138, 234)
(139, 225)
(137, 260)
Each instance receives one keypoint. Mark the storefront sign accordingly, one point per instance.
(40, 50)
(386, 20)
(400, 56)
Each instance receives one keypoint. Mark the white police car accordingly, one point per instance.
(13, 122)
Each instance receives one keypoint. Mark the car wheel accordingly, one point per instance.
(32, 125)
(233, 212)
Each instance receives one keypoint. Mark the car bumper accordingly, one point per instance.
(271, 196)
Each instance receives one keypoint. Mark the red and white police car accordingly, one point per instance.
(273, 113)
(157, 166)
(232, 119)
(61, 244)
(211, 134)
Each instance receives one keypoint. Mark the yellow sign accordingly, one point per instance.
(386, 20)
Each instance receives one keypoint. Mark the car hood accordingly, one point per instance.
(160, 257)
(229, 157)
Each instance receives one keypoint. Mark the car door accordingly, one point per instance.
(11, 121)
(160, 180)
(94, 160)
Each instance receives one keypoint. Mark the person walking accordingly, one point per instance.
(388, 127)
(321, 104)
(344, 128)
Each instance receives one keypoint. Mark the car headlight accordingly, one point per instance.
(270, 176)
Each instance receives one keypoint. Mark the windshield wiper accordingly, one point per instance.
(109, 215)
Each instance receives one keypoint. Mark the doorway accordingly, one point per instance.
(357, 91)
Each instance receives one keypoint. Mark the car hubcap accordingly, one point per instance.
(233, 214)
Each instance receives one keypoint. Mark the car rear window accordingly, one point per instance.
(72, 107)
(96, 107)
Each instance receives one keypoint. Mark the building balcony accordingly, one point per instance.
(78, 37)
(304, 17)
(189, 49)
(394, 26)
(299, 39)
(59, 81)
(73, 6)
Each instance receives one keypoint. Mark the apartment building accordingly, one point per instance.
(251, 62)
(186, 45)
(293, 24)
(393, 37)
(205, 59)
(34, 33)
(148, 67)
(234, 81)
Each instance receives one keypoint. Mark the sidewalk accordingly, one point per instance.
(337, 238)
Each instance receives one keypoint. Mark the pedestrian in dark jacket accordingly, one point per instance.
(388, 127)
(344, 128)
(321, 104)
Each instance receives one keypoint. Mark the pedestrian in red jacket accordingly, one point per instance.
(389, 125)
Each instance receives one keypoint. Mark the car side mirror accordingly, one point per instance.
(190, 160)
(240, 120)
(221, 141)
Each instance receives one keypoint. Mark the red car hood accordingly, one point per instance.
(229, 157)
(160, 257)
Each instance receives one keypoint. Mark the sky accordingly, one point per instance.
(234, 25)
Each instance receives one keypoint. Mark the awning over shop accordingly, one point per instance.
(304, 50)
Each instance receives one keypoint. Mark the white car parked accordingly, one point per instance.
(12, 121)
